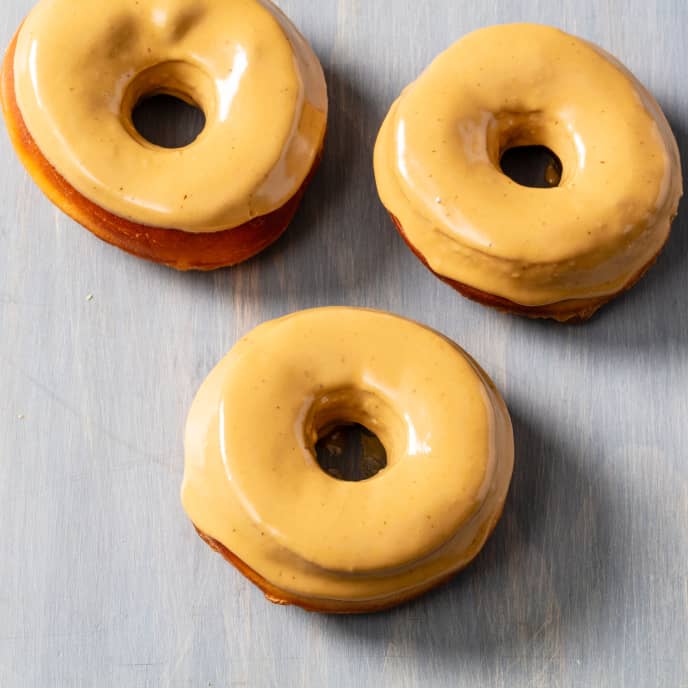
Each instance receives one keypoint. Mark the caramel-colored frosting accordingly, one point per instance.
(437, 164)
(82, 66)
(252, 481)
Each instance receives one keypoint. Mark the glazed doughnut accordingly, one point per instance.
(75, 71)
(255, 492)
(559, 252)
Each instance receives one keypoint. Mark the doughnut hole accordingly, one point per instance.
(354, 435)
(168, 105)
(167, 121)
(350, 452)
(527, 147)
(535, 166)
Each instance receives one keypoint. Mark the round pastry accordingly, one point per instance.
(256, 493)
(76, 70)
(558, 252)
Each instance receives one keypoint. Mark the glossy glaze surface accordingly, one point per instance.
(104, 580)
(242, 62)
(252, 482)
(437, 164)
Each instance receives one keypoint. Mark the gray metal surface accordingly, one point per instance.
(103, 580)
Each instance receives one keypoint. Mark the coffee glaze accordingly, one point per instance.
(80, 68)
(254, 490)
(437, 165)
